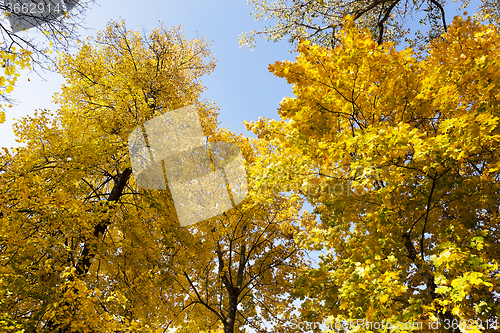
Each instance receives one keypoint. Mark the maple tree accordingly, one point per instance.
(83, 248)
(398, 154)
(320, 20)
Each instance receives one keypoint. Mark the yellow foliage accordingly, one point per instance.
(408, 147)
(84, 249)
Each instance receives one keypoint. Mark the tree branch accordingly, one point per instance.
(83, 265)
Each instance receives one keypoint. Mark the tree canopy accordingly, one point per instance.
(400, 160)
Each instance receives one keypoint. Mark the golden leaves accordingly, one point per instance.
(55, 190)
(428, 127)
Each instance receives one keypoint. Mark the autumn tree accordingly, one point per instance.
(319, 21)
(83, 248)
(399, 157)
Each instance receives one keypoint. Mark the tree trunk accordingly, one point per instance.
(229, 321)
(428, 278)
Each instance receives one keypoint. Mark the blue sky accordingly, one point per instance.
(241, 84)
